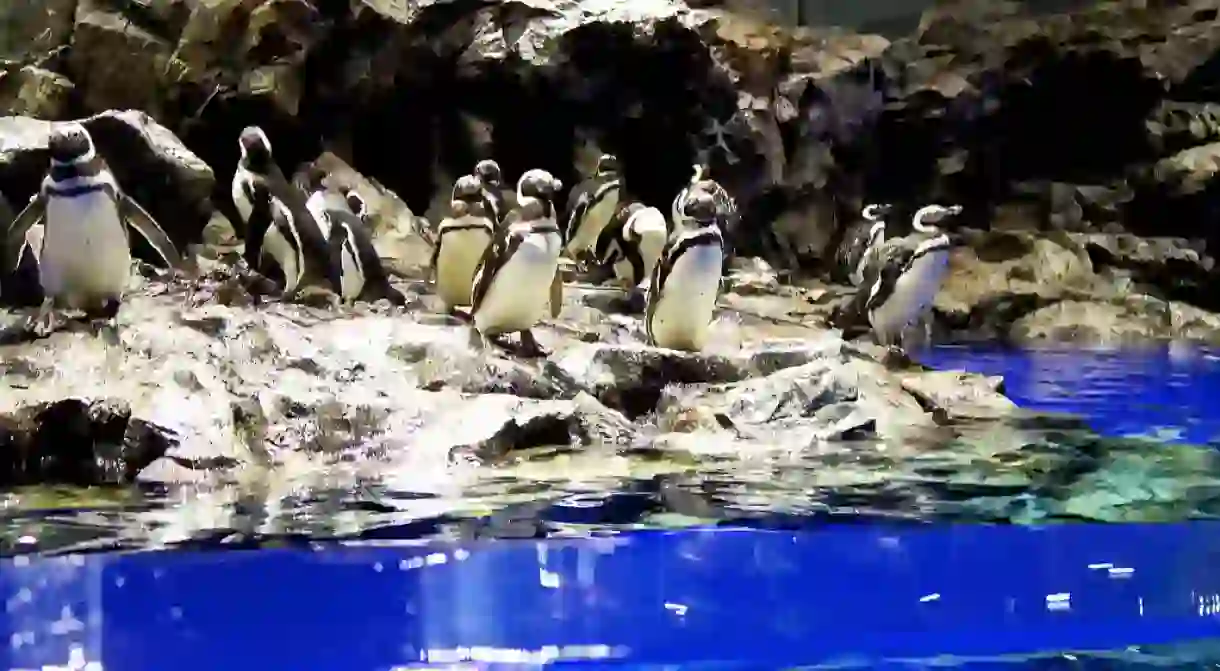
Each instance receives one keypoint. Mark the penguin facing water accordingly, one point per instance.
(341, 215)
(85, 257)
(686, 283)
(462, 238)
(282, 235)
(591, 205)
(632, 243)
(904, 280)
(518, 277)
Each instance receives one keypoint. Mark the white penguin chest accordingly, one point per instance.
(85, 251)
(461, 251)
(687, 301)
(914, 291)
(240, 200)
(520, 292)
(595, 219)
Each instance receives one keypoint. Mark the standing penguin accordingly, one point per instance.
(904, 280)
(491, 184)
(686, 283)
(518, 276)
(632, 243)
(462, 238)
(85, 262)
(860, 244)
(341, 214)
(282, 235)
(591, 205)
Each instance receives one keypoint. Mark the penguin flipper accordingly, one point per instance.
(881, 284)
(576, 213)
(142, 222)
(654, 296)
(494, 257)
(14, 239)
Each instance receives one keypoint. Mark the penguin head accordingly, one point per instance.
(538, 183)
(356, 202)
(70, 143)
(255, 147)
(700, 206)
(928, 217)
(488, 171)
(876, 211)
(607, 165)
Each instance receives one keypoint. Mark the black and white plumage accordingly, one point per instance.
(686, 282)
(859, 244)
(342, 216)
(85, 257)
(491, 181)
(907, 273)
(726, 206)
(462, 238)
(591, 205)
(632, 243)
(518, 276)
(282, 234)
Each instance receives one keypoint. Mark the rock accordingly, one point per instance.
(150, 163)
(35, 92)
(33, 29)
(1002, 276)
(1121, 321)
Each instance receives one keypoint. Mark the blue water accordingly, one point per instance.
(858, 596)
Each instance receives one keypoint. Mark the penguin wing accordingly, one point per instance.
(260, 220)
(654, 292)
(604, 250)
(883, 275)
(142, 222)
(374, 272)
(14, 239)
(577, 208)
(494, 258)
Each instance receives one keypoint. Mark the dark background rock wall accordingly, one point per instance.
(1049, 115)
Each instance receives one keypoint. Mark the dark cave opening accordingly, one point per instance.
(1085, 112)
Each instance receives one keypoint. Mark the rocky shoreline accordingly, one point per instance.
(1068, 137)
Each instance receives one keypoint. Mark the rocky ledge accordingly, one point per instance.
(1070, 137)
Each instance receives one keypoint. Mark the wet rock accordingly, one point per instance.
(150, 163)
(1120, 321)
(1003, 275)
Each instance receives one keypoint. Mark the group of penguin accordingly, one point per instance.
(497, 253)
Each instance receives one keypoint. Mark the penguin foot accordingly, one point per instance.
(637, 301)
(44, 322)
(895, 359)
(477, 342)
(530, 346)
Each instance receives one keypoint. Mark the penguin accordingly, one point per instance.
(22, 287)
(590, 206)
(85, 257)
(686, 283)
(631, 244)
(342, 215)
(903, 281)
(492, 186)
(282, 234)
(462, 238)
(860, 243)
(518, 275)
